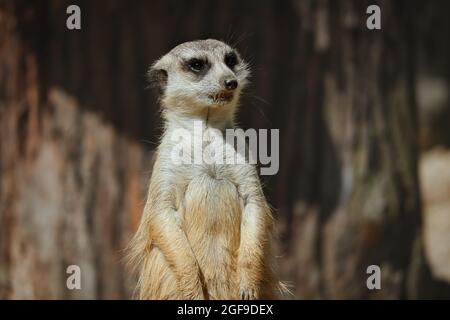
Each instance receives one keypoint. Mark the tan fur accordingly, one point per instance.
(206, 229)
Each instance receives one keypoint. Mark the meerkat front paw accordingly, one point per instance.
(247, 291)
(192, 288)
(196, 294)
(248, 294)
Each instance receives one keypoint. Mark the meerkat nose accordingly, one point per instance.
(230, 84)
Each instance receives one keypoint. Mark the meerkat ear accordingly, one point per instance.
(157, 75)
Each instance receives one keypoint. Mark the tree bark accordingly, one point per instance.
(78, 128)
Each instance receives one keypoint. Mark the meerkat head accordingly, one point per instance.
(200, 74)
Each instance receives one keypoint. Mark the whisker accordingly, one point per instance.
(259, 109)
(260, 99)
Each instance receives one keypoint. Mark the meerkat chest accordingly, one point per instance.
(205, 152)
(206, 169)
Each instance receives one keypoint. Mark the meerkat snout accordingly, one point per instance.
(199, 74)
(230, 84)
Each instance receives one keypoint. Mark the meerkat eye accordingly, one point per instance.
(196, 65)
(231, 60)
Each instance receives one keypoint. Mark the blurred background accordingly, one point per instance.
(364, 119)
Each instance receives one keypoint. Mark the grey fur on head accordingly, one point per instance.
(174, 74)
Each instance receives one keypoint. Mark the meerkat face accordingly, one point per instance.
(199, 74)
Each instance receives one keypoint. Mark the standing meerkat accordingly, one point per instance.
(206, 228)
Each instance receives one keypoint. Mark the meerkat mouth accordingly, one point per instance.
(222, 97)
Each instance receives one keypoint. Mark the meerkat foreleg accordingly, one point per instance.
(168, 236)
(163, 226)
(255, 231)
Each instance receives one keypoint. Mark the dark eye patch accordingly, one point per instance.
(196, 65)
(231, 59)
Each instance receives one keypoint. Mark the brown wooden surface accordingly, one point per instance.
(77, 130)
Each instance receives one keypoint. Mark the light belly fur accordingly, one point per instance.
(211, 220)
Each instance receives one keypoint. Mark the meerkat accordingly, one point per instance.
(206, 229)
